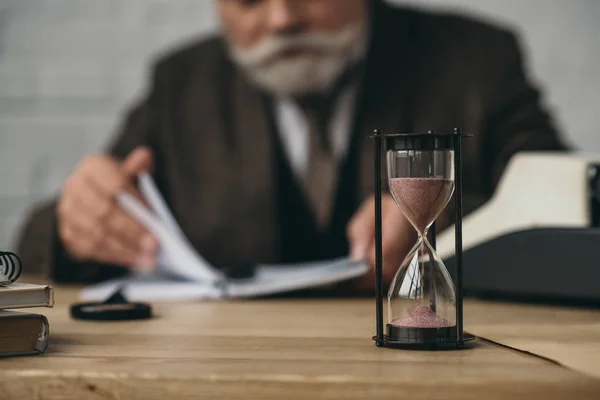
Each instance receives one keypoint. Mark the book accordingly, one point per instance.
(22, 333)
(25, 295)
(183, 274)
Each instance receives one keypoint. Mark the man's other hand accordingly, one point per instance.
(398, 237)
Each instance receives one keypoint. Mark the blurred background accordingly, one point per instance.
(69, 69)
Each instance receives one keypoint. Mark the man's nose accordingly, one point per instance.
(285, 16)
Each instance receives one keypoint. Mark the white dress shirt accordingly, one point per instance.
(293, 129)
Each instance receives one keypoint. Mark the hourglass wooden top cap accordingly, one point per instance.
(421, 141)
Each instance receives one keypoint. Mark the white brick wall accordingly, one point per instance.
(68, 68)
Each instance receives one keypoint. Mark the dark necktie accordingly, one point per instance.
(320, 179)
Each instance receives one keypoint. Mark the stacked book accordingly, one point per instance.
(21, 333)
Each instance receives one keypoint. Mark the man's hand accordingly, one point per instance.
(91, 226)
(398, 237)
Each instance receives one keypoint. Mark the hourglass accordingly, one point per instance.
(424, 304)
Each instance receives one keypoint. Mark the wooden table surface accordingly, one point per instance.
(275, 349)
(569, 336)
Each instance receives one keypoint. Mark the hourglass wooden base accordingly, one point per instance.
(422, 338)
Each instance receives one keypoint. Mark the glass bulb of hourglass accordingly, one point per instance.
(422, 293)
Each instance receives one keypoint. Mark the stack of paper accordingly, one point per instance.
(183, 274)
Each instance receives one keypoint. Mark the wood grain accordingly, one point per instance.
(270, 349)
(566, 335)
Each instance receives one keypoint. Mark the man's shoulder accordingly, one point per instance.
(453, 27)
(201, 57)
(465, 24)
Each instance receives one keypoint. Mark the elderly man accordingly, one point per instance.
(258, 138)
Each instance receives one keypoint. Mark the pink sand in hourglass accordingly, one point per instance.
(422, 317)
(421, 199)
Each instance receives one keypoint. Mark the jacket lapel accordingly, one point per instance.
(227, 192)
(255, 191)
(388, 85)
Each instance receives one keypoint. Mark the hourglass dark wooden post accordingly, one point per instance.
(425, 307)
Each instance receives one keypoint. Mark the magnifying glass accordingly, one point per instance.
(115, 308)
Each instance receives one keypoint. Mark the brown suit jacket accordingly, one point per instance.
(209, 129)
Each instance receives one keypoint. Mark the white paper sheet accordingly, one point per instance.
(178, 257)
(267, 280)
(272, 279)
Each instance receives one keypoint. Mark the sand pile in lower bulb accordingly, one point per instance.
(422, 317)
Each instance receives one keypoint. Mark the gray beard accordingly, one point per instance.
(314, 72)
